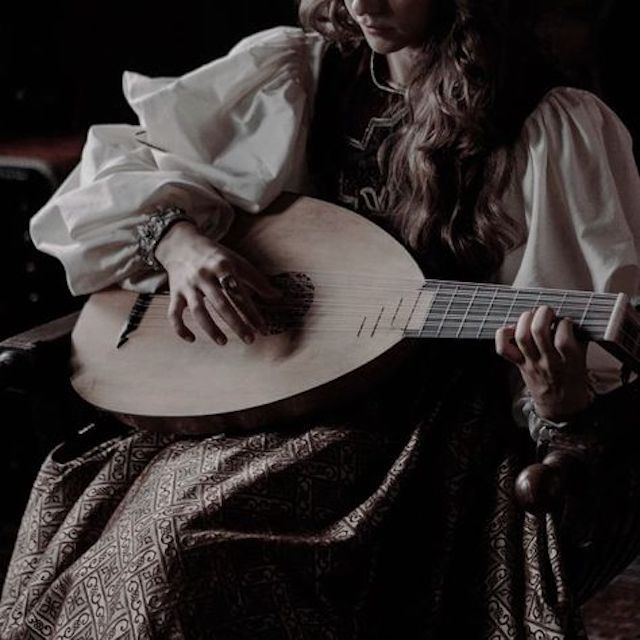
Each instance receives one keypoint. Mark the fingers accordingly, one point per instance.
(221, 302)
(524, 338)
(214, 282)
(551, 361)
(257, 281)
(542, 329)
(176, 309)
(567, 344)
(506, 345)
(200, 312)
(237, 282)
(233, 304)
(242, 299)
(537, 336)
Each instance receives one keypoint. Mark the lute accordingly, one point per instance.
(353, 301)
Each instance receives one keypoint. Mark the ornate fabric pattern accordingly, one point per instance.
(388, 523)
(361, 185)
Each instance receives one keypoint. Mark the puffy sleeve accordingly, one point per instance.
(230, 133)
(577, 194)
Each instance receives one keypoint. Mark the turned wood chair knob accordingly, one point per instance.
(543, 487)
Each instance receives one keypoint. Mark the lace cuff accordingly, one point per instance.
(153, 229)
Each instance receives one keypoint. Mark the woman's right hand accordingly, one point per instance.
(213, 282)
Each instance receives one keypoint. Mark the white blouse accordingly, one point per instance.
(234, 131)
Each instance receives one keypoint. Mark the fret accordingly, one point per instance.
(466, 314)
(434, 302)
(446, 311)
(476, 311)
(413, 309)
(538, 299)
(487, 313)
(513, 302)
(561, 305)
(500, 311)
(586, 311)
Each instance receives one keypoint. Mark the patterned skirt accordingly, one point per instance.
(392, 518)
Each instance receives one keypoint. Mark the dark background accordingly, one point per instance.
(62, 62)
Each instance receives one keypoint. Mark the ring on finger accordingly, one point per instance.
(228, 283)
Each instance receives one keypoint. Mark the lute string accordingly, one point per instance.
(455, 299)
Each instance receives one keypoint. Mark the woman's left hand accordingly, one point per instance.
(552, 362)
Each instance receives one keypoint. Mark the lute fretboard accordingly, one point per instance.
(459, 310)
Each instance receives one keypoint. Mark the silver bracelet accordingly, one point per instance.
(541, 429)
(152, 230)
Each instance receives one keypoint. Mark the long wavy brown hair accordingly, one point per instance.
(475, 81)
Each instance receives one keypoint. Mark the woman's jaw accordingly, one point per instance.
(393, 28)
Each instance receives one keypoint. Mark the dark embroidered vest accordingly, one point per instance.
(353, 118)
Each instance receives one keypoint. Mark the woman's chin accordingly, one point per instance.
(381, 45)
(383, 41)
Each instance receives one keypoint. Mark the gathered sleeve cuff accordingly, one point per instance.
(92, 223)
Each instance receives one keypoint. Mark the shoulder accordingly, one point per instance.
(576, 188)
(281, 55)
(281, 49)
(567, 115)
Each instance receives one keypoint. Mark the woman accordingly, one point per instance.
(388, 518)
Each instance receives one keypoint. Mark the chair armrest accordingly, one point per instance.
(29, 357)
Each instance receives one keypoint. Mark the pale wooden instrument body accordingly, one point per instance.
(362, 295)
(158, 381)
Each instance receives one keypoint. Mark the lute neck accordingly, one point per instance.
(476, 311)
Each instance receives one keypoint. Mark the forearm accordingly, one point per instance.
(98, 222)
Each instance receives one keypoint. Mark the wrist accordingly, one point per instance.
(564, 410)
(158, 222)
(544, 420)
(176, 237)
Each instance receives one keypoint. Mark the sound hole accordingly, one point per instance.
(289, 312)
